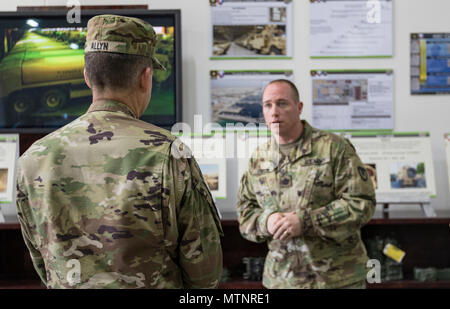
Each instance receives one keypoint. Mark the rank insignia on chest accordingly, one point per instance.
(286, 181)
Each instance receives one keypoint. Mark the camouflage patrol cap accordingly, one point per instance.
(122, 34)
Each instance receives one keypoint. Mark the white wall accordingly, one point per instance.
(412, 113)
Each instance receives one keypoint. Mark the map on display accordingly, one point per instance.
(256, 29)
(236, 96)
(353, 99)
(430, 63)
(357, 28)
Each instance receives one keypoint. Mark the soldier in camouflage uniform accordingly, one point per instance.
(307, 194)
(107, 201)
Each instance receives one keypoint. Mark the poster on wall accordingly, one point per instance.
(205, 146)
(215, 174)
(400, 165)
(9, 153)
(430, 63)
(236, 96)
(352, 28)
(447, 152)
(251, 29)
(353, 99)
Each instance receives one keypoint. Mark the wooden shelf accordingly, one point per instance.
(415, 221)
(9, 226)
(425, 241)
(21, 284)
(241, 284)
(410, 284)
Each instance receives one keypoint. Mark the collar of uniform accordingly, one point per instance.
(304, 143)
(276, 157)
(111, 106)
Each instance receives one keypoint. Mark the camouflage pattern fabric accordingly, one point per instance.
(104, 203)
(325, 183)
(121, 34)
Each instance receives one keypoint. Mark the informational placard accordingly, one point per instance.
(447, 152)
(399, 164)
(236, 96)
(206, 147)
(9, 153)
(251, 29)
(215, 174)
(353, 99)
(353, 28)
(430, 63)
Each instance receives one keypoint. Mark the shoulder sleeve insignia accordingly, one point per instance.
(363, 173)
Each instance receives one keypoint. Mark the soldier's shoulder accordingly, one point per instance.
(149, 129)
(322, 136)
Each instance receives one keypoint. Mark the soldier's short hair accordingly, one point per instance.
(294, 90)
(114, 70)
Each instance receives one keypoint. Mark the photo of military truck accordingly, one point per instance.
(41, 70)
(42, 81)
(407, 175)
(265, 40)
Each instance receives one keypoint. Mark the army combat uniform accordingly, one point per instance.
(109, 201)
(103, 204)
(323, 180)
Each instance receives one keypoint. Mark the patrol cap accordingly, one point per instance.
(122, 34)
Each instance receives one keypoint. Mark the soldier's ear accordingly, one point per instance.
(300, 106)
(86, 79)
(146, 78)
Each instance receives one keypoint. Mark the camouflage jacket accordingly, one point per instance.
(324, 182)
(103, 203)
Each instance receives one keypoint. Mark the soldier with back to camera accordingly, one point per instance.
(105, 202)
(307, 194)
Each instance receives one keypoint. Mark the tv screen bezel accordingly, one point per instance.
(139, 13)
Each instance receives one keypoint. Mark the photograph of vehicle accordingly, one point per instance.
(42, 82)
(407, 175)
(246, 41)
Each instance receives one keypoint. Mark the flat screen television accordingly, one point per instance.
(42, 87)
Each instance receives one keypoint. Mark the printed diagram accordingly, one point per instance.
(339, 90)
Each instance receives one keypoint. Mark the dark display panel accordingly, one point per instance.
(42, 85)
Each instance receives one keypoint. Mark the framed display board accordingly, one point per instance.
(251, 29)
(353, 99)
(430, 63)
(400, 164)
(350, 28)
